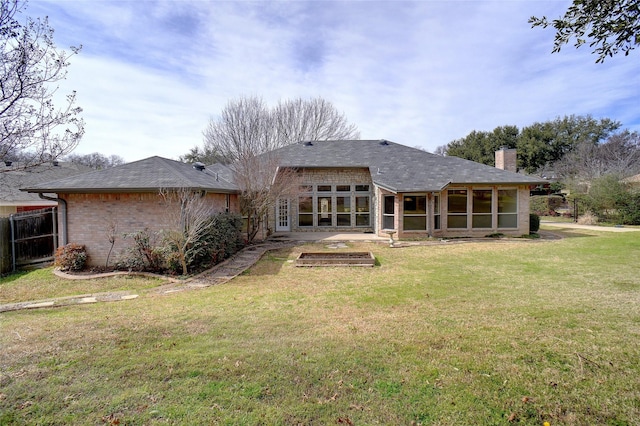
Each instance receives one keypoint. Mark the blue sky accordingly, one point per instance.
(152, 73)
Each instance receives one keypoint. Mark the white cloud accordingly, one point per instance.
(419, 73)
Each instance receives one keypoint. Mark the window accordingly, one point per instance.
(342, 205)
(305, 211)
(324, 210)
(482, 217)
(415, 212)
(388, 217)
(507, 208)
(436, 211)
(362, 211)
(343, 211)
(457, 208)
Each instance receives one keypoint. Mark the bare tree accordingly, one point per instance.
(619, 155)
(31, 127)
(96, 160)
(246, 135)
(314, 119)
(188, 214)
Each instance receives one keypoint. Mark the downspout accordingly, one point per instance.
(63, 216)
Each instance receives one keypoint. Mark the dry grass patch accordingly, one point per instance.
(42, 284)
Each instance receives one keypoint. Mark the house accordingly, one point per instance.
(377, 186)
(14, 175)
(127, 199)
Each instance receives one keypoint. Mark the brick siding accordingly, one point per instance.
(90, 217)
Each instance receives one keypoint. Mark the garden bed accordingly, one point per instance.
(335, 259)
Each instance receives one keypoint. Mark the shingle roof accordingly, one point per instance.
(16, 176)
(396, 167)
(148, 175)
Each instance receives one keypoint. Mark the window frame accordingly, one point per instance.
(502, 214)
(456, 215)
(417, 213)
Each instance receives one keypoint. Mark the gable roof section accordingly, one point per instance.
(148, 175)
(15, 176)
(396, 167)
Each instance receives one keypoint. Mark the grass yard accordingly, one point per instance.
(42, 284)
(496, 333)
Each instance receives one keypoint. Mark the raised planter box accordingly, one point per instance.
(336, 259)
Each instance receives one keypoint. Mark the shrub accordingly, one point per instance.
(222, 240)
(72, 257)
(630, 209)
(534, 223)
(545, 205)
(588, 218)
(143, 255)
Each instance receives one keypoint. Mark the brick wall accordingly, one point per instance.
(90, 218)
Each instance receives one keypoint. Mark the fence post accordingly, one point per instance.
(13, 243)
(5, 246)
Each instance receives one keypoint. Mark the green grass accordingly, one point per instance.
(496, 332)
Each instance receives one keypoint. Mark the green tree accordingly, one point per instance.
(481, 146)
(541, 144)
(609, 26)
(538, 145)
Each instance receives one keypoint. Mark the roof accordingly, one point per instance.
(397, 167)
(16, 176)
(148, 175)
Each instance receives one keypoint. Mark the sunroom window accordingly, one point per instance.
(482, 199)
(507, 208)
(457, 208)
(415, 212)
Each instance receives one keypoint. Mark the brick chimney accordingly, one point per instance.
(506, 159)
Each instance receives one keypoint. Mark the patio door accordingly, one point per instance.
(282, 215)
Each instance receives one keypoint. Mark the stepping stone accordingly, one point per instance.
(39, 305)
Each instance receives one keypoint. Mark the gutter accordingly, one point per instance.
(63, 216)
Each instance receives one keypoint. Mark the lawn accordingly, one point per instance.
(461, 333)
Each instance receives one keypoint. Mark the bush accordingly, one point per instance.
(588, 218)
(534, 223)
(143, 255)
(72, 257)
(222, 240)
(545, 205)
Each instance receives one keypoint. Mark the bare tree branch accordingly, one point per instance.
(247, 132)
(32, 129)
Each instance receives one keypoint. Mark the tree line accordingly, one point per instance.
(575, 147)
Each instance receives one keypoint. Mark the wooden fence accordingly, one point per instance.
(28, 238)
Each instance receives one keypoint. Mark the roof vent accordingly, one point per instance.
(307, 143)
(198, 166)
(384, 142)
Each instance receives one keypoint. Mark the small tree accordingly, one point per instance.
(189, 216)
